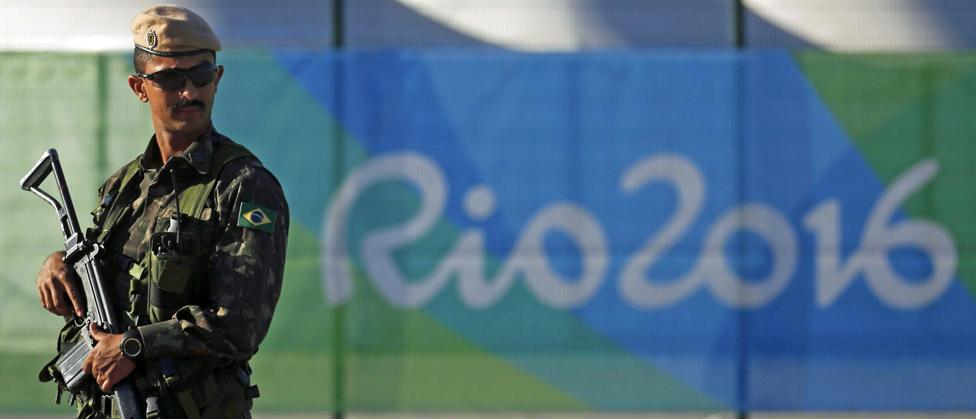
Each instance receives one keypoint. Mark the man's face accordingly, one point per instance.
(185, 110)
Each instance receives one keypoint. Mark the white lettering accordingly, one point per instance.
(530, 261)
(377, 247)
(466, 259)
(686, 179)
(879, 238)
(530, 255)
(724, 282)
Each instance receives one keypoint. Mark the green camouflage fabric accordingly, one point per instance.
(223, 300)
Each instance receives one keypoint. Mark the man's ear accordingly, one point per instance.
(220, 73)
(138, 87)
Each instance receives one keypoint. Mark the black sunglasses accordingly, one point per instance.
(174, 79)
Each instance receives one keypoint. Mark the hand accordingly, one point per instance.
(55, 284)
(106, 362)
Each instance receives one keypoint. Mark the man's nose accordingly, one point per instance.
(188, 90)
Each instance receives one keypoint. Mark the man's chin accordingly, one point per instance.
(188, 126)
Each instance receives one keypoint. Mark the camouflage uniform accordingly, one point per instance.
(213, 315)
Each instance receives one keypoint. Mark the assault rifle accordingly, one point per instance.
(83, 255)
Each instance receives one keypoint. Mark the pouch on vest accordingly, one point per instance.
(172, 264)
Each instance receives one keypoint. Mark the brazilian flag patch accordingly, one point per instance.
(256, 217)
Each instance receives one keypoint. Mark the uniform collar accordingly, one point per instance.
(198, 155)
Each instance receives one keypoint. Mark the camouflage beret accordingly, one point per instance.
(170, 30)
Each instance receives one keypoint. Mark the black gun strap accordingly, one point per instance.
(128, 184)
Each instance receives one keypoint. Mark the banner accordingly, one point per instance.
(615, 231)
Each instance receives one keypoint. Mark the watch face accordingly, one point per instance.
(131, 347)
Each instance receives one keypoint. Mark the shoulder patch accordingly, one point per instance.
(256, 217)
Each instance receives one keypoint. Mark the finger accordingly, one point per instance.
(50, 301)
(57, 300)
(40, 292)
(45, 301)
(87, 365)
(110, 382)
(76, 303)
(105, 382)
(96, 332)
(99, 379)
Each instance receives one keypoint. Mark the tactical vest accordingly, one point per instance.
(169, 277)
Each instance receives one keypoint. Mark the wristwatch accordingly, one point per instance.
(131, 345)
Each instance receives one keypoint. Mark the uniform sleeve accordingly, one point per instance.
(245, 274)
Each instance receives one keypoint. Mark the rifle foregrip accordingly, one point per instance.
(40, 171)
(127, 398)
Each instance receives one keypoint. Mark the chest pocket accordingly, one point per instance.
(177, 257)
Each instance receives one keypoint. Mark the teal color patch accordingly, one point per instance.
(256, 217)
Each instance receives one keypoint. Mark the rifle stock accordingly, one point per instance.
(39, 172)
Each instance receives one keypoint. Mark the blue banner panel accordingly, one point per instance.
(699, 217)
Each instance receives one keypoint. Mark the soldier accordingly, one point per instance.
(195, 230)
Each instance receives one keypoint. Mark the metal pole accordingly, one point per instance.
(101, 124)
(739, 24)
(339, 169)
(742, 347)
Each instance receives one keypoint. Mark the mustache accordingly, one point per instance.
(184, 103)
